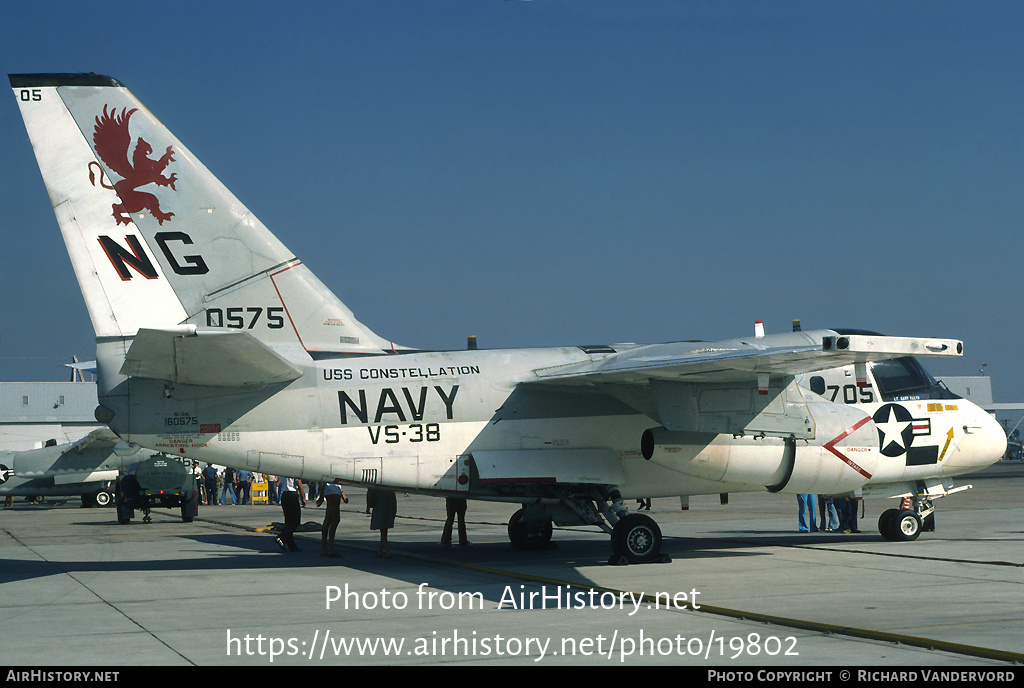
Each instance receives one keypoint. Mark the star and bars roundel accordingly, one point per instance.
(897, 429)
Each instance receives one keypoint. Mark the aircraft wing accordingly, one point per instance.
(737, 386)
(745, 360)
(97, 456)
(99, 439)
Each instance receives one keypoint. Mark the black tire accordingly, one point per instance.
(906, 526)
(637, 537)
(527, 535)
(885, 523)
(190, 509)
(122, 505)
(103, 498)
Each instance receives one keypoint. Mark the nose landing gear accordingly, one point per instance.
(907, 522)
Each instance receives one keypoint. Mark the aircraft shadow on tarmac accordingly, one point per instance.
(413, 561)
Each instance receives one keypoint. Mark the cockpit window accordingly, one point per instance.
(818, 385)
(902, 379)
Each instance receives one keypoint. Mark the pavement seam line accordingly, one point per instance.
(92, 592)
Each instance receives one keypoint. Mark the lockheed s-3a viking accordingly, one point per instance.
(216, 343)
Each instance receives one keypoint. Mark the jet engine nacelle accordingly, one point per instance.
(840, 458)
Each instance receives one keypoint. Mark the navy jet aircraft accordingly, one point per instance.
(215, 342)
(86, 467)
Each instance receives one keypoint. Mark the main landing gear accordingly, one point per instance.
(530, 528)
(635, 538)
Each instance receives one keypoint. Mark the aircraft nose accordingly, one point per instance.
(983, 443)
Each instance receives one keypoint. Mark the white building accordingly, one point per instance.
(33, 413)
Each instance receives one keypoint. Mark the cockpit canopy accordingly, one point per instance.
(903, 379)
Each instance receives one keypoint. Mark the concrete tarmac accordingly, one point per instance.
(743, 589)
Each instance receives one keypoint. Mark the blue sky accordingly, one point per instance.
(570, 172)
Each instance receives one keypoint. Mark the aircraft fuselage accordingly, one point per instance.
(470, 422)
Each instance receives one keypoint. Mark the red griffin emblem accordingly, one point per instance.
(112, 140)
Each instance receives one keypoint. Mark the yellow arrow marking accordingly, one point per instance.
(949, 438)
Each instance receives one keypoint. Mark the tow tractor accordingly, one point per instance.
(162, 481)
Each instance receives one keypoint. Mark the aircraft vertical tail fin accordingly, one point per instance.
(157, 242)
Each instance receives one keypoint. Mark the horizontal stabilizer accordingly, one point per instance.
(213, 359)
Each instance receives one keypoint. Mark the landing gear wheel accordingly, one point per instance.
(906, 526)
(124, 513)
(190, 509)
(637, 539)
(885, 523)
(103, 498)
(527, 535)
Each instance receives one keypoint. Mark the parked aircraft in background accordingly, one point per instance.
(88, 467)
(215, 342)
